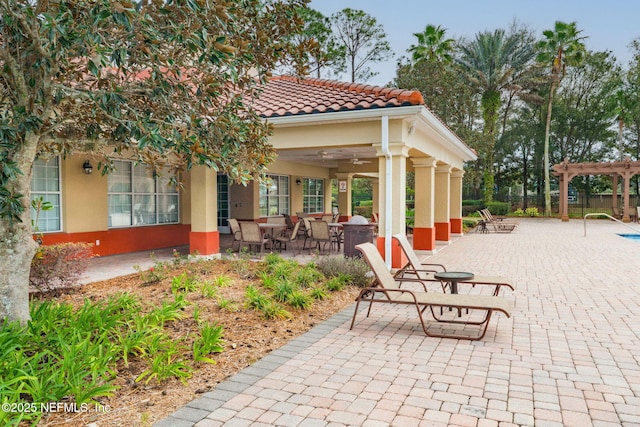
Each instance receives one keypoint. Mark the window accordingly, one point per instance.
(313, 195)
(274, 198)
(45, 183)
(136, 197)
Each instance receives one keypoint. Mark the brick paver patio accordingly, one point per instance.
(568, 356)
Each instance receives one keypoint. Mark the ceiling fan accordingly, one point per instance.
(321, 154)
(356, 161)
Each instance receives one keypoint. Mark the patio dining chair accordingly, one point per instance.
(321, 235)
(327, 217)
(289, 237)
(387, 290)
(252, 236)
(306, 227)
(288, 221)
(236, 232)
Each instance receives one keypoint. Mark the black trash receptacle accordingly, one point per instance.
(357, 230)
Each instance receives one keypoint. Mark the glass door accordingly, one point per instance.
(223, 204)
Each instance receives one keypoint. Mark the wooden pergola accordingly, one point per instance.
(566, 171)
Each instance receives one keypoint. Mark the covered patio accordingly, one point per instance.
(327, 130)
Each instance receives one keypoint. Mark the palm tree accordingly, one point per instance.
(560, 47)
(432, 45)
(494, 62)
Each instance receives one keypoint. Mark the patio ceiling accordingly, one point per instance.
(329, 157)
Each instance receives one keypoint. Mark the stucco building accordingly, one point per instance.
(323, 131)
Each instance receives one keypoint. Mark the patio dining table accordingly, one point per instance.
(271, 229)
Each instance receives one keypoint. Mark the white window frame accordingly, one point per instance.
(131, 212)
(272, 197)
(48, 195)
(318, 198)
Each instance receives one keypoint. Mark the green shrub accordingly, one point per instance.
(59, 266)
(183, 283)
(209, 341)
(532, 212)
(272, 310)
(71, 355)
(355, 268)
(471, 210)
(410, 216)
(154, 274)
(208, 290)
(499, 208)
(282, 290)
(337, 283)
(298, 299)
(365, 211)
(318, 293)
(307, 275)
(222, 281)
(469, 224)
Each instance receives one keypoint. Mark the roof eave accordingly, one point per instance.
(465, 153)
(344, 116)
(462, 149)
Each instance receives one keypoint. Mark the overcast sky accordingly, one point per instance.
(608, 25)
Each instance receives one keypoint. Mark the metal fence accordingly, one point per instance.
(579, 204)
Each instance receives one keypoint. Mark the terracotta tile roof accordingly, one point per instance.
(290, 96)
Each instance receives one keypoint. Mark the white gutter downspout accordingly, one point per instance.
(387, 191)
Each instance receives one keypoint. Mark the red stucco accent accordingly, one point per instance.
(424, 238)
(123, 240)
(398, 258)
(456, 225)
(204, 243)
(443, 231)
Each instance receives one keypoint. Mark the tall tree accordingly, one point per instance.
(631, 93)
(561, 47)
(165, 82)
(364, 41)
(317, 43)
(585, 109)
(432, 45)
(494, 62)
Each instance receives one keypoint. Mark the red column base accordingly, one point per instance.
(204, 243)
(443, 231)
(424, 238)
(398, 258)
(456, 225)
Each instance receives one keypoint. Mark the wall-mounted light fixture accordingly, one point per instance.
(298, 181)
(88, 169)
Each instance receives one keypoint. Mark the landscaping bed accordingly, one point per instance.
(255, 307)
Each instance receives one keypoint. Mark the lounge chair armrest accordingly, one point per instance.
(399, 280)
(424, 264)
(420, 270)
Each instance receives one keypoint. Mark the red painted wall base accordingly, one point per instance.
(398, 258)
(456, 225)
(204, 243)
(443, 231)
(424, 238)
(123, 240)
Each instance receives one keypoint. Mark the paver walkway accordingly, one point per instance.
(568, 356)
